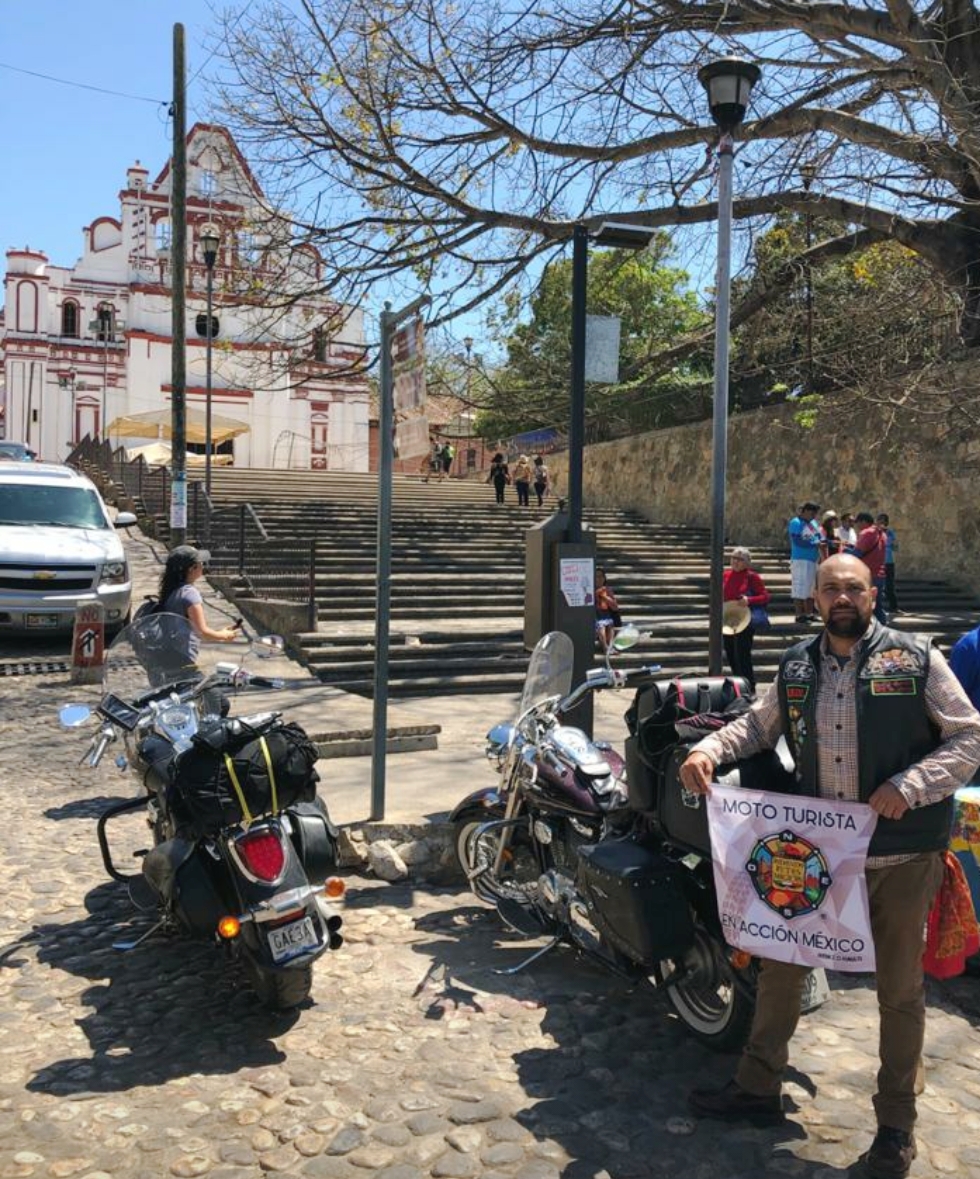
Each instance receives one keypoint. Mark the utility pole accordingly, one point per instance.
(178, 277)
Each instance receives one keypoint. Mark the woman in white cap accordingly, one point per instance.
(744, 586)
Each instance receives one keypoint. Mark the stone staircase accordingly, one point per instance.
(458, 581)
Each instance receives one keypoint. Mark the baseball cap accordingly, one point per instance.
(185, 555)
(810, 506)
(829, 515)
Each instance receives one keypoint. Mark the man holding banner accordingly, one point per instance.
(881, 730)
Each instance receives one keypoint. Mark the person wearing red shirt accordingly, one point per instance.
(742, 584)
(870, 547)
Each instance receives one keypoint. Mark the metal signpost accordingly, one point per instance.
(412, 366)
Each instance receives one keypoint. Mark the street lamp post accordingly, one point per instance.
(106, 327)
(579, 623)
(728, 82)
(210, 240)
(807, 174)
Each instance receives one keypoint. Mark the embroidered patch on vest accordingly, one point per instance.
(894, 661)
(893, 687)
(797, 692)
(799, 669)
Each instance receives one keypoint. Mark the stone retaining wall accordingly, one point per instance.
(774, 464)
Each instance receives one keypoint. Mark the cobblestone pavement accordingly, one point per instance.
(414, 1059)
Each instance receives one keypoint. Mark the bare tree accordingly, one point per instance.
(450, 145)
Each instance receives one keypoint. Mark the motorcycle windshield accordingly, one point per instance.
(550, 671)
(154, 652)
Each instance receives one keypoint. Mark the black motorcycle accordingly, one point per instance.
(609, 857)
(243, 851)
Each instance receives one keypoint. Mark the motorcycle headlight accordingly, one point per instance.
(115, 573)
(499, 740)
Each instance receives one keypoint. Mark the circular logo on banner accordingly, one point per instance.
(789, 873)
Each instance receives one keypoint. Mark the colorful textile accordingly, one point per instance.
(952, 934)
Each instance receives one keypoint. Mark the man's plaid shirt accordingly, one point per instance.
(949, 766)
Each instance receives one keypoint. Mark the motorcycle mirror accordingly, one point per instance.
(626, 637)
(73, 716)
(270, 645)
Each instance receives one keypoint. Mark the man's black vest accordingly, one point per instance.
(893, 728)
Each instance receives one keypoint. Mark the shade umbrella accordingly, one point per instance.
(157, 423)
(159, 454)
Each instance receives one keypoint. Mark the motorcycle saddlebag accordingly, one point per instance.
(683, 817)
(636, 900)
(315, 839)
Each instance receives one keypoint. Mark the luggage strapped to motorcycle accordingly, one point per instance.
(240, 793)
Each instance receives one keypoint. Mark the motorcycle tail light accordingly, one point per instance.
(334, 887)
(739, 959)
(262, 854)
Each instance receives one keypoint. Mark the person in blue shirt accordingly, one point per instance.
(891, 548)
(805, 539)
(964, 659)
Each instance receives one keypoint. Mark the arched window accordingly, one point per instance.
(69, 318)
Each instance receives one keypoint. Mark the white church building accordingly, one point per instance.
(89, 346)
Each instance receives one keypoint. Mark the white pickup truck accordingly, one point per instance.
(58, 549)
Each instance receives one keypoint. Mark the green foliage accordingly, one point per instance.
(655, 309)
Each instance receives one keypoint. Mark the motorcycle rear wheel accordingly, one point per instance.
(706, 996)
(280, 990)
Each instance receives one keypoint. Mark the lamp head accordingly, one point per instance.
(623, 236)
(210, 238)
(729, 82)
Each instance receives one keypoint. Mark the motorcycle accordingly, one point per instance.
(243, 851)
(606, 855)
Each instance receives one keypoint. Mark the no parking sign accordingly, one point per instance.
(88, 644)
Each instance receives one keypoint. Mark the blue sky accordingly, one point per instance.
(67, 149)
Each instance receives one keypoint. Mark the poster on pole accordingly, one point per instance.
(789, 874)
(577, 579)
(412, 437)
(408, 366)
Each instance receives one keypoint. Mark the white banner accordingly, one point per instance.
(408, 359)
(412, 437)
(789, 873)
(602, 348)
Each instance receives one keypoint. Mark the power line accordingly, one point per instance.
(83, 85)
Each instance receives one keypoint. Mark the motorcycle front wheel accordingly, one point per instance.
(279, 990)
(702, 988)
(478, 854)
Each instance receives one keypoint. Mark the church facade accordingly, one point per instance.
(87, 350)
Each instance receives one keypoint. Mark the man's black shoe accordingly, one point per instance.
(891, 1154)
(734, 1104)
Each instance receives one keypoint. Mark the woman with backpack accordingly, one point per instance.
(179, 595)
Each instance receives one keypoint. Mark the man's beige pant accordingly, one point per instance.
(899, 898)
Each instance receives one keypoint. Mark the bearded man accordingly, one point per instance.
(872, 715)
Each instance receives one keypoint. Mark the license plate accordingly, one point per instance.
(290, 940)
(42, 620)
(816, 990)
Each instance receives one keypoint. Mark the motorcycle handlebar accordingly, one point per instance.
(261, 681)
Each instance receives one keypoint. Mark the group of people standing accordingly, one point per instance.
(525, 475)
(871, 538)
(812, 541)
